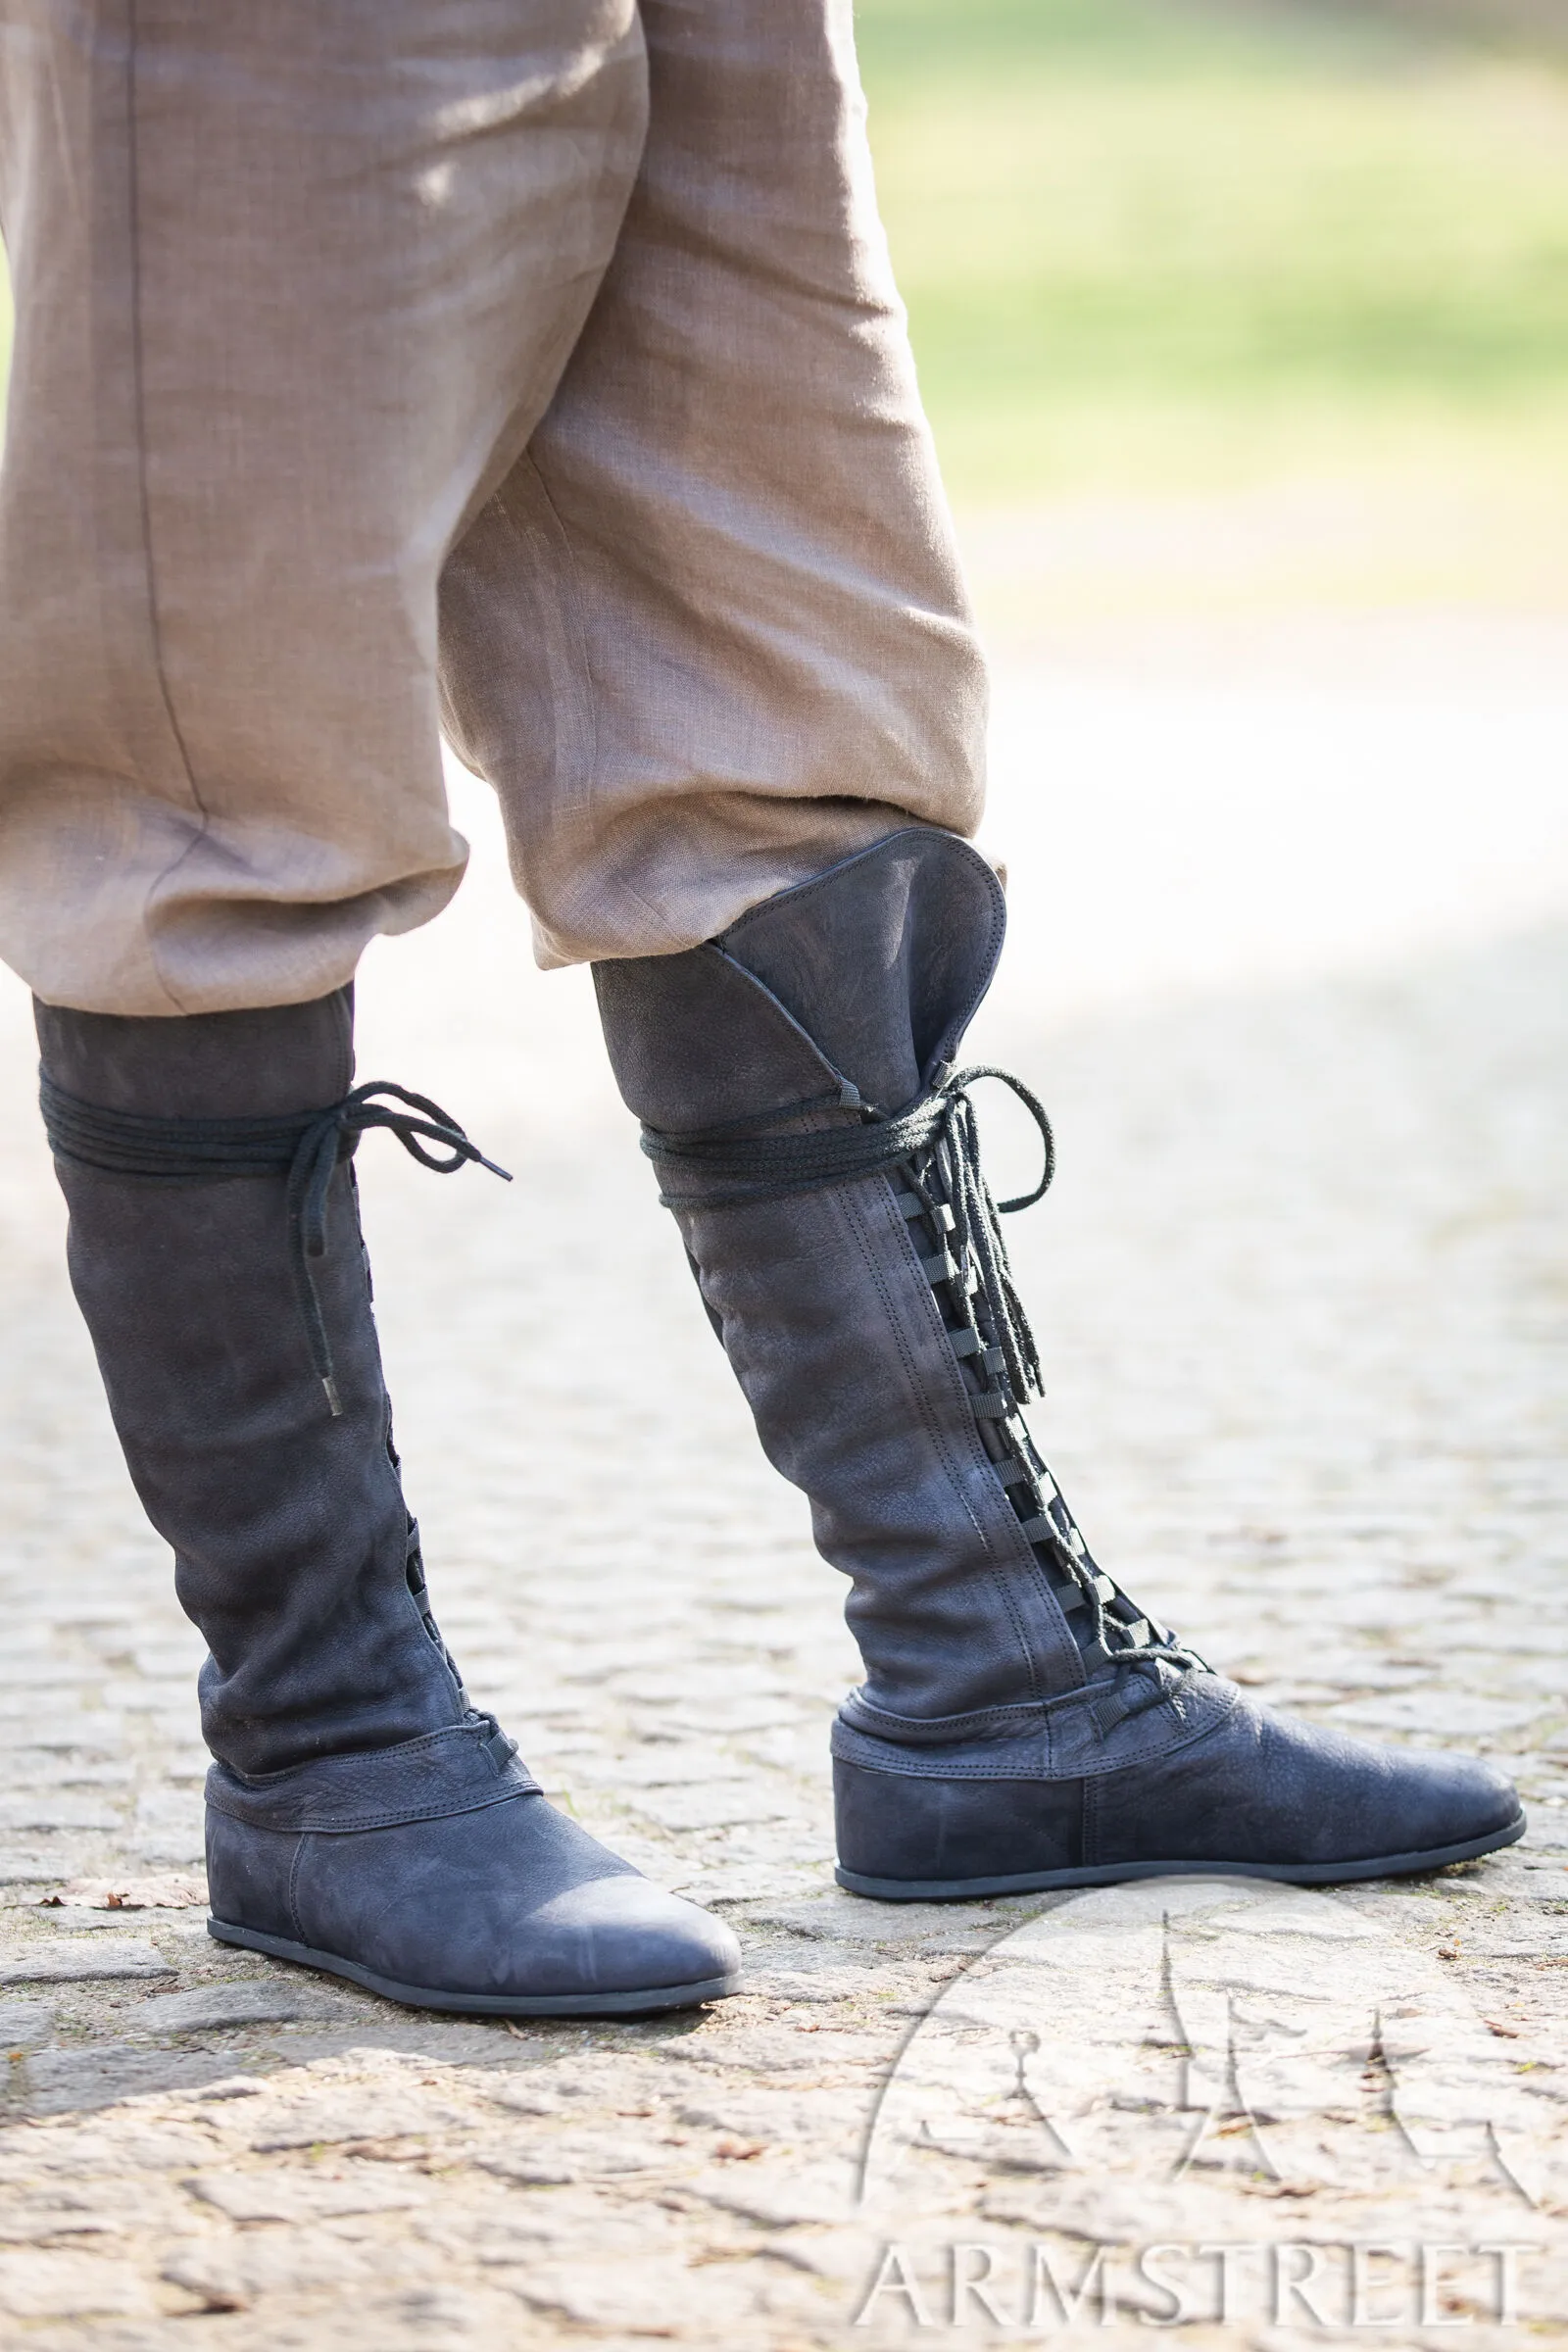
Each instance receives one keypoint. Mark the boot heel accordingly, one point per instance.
(908, 1838)
(248, 1873)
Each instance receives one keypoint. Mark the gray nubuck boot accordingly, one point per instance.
(1022, 1722)
(363, 1817)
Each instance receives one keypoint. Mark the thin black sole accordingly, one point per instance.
(1112, 1873)
(647, 2003)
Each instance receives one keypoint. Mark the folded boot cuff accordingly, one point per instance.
(1073, 1735)
(1016, 1721)
(454, 1771)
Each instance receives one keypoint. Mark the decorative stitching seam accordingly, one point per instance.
(149, 560)
(977, 1455)
(312, 1828)
(293, 1890)
(263, 1785)
(1085, 1768)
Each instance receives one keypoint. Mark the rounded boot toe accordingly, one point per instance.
(510, 1906)
(1274, 1791)
(623, 1935)
(1280, 1791)
(1442, 1800)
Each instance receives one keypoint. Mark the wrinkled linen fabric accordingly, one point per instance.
(530, 369)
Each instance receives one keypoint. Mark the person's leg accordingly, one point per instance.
(709, 643)
(712, 633)
(291, 291)
(293, 286)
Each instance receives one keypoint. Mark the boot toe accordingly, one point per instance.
(625, 1935)
(1439, 1800)
(1322, 1798)
(508, 1907)
(516, 1903)
(1272, 1792)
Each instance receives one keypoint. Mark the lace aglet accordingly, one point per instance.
(505, 1174)
(333, 1399)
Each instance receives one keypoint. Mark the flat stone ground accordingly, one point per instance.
(1301, 1288)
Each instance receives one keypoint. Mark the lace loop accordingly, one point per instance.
(305, 1147)
(939, 1130)
(935, 1146)
(947, 1174)
(768, 1166)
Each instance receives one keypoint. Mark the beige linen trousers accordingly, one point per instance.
(526, 370)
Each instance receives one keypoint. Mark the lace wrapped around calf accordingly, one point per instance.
(304, 1146)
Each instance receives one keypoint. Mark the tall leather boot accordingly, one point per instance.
(363, 1817)
(1022, 1722)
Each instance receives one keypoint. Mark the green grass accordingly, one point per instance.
(1157, 240)
(1168, 244)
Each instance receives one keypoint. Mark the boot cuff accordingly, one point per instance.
(1074, 1736)
(454, 1771)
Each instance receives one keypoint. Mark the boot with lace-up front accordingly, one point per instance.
(363, 1816)
(1022, 1722)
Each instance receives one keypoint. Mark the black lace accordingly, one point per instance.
(935, 1148)
(764, 1165)
(305, 1147)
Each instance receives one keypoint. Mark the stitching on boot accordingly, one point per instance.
(847, 1199)
(295, 1867)
(263, 1783)
(951, 1379)
(927, 1760)
(396, 1819)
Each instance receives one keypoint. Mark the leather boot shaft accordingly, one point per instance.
(866, 977)
(1022, 1722)
(204, 1065)
(362, 1818)
(852, 993)
(292, 1541)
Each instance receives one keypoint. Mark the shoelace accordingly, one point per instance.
(949, 1193)
(937, 1133)
(936, 1146)
(306, 1147)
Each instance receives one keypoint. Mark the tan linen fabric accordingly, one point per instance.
(350, 399)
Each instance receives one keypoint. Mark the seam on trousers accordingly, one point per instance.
(149, 562)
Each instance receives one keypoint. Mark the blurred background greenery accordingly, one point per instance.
(1232, 307)
(1293, 271)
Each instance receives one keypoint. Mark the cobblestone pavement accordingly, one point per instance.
(1301, 1287)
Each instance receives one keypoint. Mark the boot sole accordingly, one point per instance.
(1112, 1873)
(645, 2003)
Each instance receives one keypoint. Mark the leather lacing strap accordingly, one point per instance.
(935, 1147)
(305, 1147)
(760, 1165)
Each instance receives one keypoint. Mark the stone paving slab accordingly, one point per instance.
(1302, 1291)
